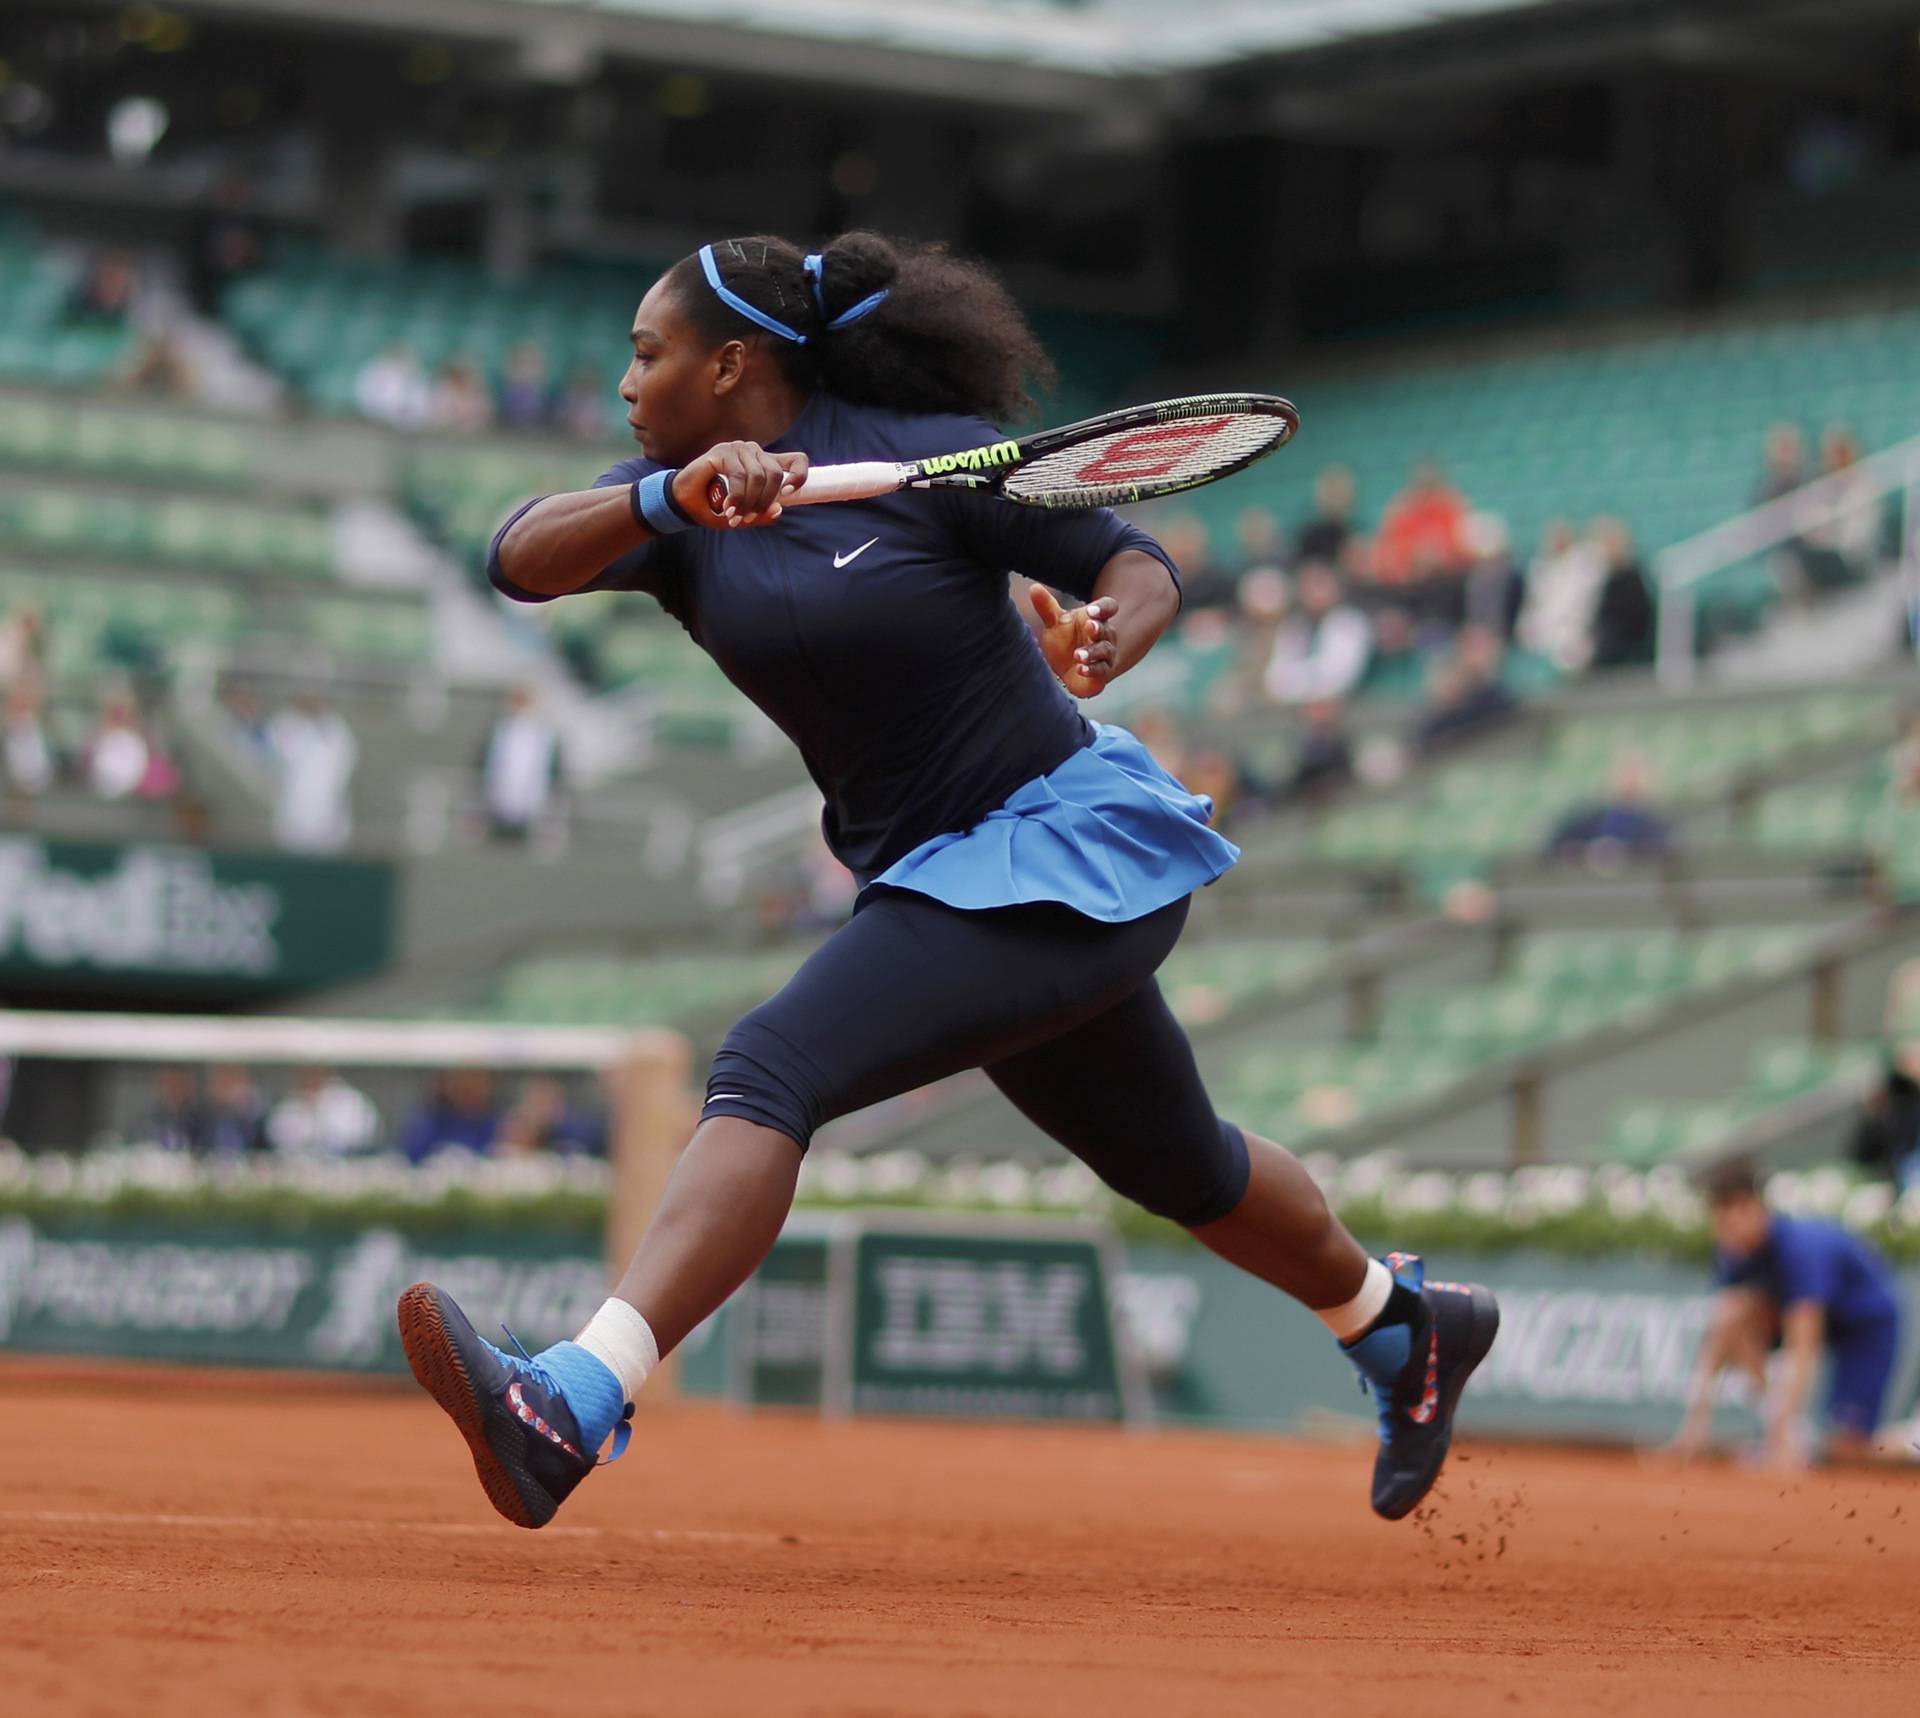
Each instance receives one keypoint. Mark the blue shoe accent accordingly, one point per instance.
(590, 1389)
(1416, 1373)
(530, 1448)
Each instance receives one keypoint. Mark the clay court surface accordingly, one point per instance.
(213, 1543)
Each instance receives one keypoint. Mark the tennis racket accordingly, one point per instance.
(1136, 454)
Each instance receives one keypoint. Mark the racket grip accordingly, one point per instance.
(856, 482)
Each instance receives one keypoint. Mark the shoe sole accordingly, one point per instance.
(440, 1371)
(1486, 1326)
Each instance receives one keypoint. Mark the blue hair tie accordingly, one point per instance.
(815, 267)
(734, 301)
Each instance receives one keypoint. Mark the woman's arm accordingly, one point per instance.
(562, 543)
(1134, 601)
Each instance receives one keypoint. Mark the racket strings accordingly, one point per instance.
(1133, 464)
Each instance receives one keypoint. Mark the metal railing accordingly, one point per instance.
(1680, 569)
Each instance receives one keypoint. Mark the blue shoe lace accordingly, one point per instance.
(540, 1375)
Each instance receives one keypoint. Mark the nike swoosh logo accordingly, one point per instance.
(842, 560)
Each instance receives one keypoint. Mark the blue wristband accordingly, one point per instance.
(654, 505)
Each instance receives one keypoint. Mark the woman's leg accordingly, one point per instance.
(906, 992)
(719, 1217)
(1122, 1093)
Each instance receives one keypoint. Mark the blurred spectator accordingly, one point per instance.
(1467, 697)
(245, 723)
(1256, 536)
(23, 647)
(1323, 763)
(314, 753)
(526, 397)
(1423, 532)
(541, 1119)
(460, 398)
(1262, 601)
(322, 1116)
(1321, 649)
(1886, 1139)
(1785, 468)
(116, 756)
(177, 1121)
(1203, 583)
(226, 244)
(1784, 471)
(394, 390)
(106, 294)
(459, 1112)
(1620, 826)
(520, 767)
(1562, 597)
(1903, 762)
(160, 366)
(1397, 668)
(1623, 618)
(1491, 597)
(26, 755)
(584, 409)
(236, 1113)
(1841, 550)
(1328, 535)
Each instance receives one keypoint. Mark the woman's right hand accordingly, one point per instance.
(756, 482)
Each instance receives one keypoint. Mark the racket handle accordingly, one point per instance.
(856, 482)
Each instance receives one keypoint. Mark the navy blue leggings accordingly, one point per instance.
(1060, 1010)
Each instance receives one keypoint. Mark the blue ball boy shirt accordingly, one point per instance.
(879, 637)
(1804, 1259)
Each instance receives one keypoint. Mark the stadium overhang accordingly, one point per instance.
(1124, 59)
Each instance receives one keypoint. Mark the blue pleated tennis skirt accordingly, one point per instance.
(1109, 833)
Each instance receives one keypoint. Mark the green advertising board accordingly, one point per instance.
(883, 1313)
(261, 1296)
(89, 915)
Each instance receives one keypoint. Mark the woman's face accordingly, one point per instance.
(677, 386)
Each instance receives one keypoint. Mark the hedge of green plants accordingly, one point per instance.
(1547, 1209)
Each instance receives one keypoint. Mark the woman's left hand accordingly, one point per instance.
(1078, 643)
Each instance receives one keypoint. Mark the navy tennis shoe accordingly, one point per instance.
(528, 1446)
(1416, 1372)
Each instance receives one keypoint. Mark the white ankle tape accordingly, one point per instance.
(1347, 1320)
(619, 1338)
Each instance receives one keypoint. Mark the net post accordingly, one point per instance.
(654, 1113)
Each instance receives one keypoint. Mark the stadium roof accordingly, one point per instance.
(1081, 55)
(1124, 37)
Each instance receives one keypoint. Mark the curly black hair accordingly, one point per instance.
(947, 338)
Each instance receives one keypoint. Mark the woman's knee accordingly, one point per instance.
(1191, 1183)
(759, 1076)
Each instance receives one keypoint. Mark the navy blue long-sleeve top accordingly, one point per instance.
(878, 634)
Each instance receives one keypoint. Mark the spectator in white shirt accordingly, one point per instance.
(393, 389)
(521, 764)
(1322, 648)
(1562, 597)
(314, 753)
(26, 758)
(117, 751)
(322, 1116)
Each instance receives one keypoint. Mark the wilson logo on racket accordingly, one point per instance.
(973, 459)
(1149, 453)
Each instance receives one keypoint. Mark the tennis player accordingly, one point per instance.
(1023, 871)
